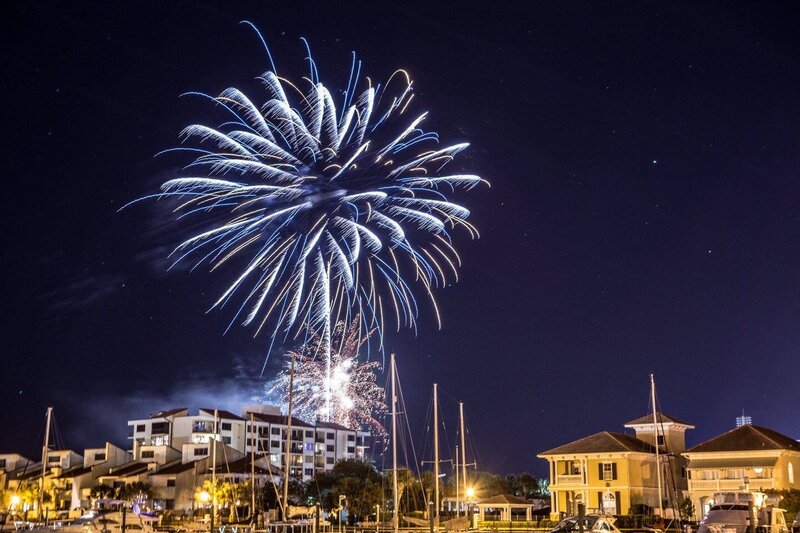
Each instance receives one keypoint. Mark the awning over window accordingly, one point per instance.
(733, 462)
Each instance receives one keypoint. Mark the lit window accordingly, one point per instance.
(790, 469)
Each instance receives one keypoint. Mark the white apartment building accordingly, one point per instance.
(176, 432)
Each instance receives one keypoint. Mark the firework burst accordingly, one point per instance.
(324, 211)
(346, 392)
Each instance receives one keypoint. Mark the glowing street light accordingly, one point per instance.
(15, 500)
(204, 496)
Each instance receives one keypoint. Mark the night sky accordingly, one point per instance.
(643, 214)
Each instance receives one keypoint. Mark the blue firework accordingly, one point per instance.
(327, 211)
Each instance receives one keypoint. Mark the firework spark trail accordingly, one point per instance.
(328, 213)
(347, 394)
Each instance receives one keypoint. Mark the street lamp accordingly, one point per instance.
(470, 497)
(15, 499)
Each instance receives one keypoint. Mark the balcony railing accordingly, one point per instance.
(569, 479)
(730, 484)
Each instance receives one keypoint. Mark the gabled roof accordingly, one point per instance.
(505, 499)
(169, 412)
(747, 438)
(661, 417)
(128, 469)
(222, 413)
(280, 419)
(602, 442)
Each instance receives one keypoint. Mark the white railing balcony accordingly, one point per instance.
(732, 485)
(569, 479)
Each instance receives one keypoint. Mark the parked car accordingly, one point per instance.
(570, 524)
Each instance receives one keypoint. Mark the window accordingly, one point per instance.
(200, 451)
(309, 434)
(53, 459)
(790, 471)
(2, 463)
(351, 438)
(276, 431)
(608, 471)
(309, 446)
(160, 428)
(226, 440)
(661, 440)
(226, 426)
(329, 460)
(309, 471)
(169, 504)
(351, 449)
(140, 427)
(100, 456)
(330, 436)
(330, 447)
(171, 482)
(148, 454)
(274, 444)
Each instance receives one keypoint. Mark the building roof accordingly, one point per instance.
(30, 472)
(222, 413)
(75, 472)
(602, 442)
(505, 499)
(280, 419)
(733, 462)
(128, 469)
(174, 467)
(332, 425)
(747, 438)
(242, 466)
(660, 417)
(169, 412)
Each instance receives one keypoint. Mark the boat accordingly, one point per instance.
(732, 513)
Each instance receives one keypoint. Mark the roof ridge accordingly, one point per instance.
(760, 431)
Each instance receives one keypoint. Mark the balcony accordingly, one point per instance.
(721, 485)
(569, 479)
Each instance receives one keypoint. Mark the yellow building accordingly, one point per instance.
(745, 458)
(611, 472)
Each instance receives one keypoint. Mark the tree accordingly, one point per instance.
(102, 491)
(137, 491)
(686, 509)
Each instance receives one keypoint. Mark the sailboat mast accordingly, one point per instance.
(463, 450)
(655, 443)
(252, 466)
(214, 471)
(458, 495)
(287, 457)
(396, 517)
(45, 448)
(436, 453)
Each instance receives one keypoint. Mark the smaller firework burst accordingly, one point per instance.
(344, 390)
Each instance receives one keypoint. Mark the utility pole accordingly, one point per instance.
(396, 515)
(287, 456)
(45, 449)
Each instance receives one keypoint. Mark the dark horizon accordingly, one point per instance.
(641, 219)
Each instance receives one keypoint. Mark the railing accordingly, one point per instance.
(571, 479)
(731, 484)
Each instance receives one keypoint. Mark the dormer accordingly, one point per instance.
(671, 431)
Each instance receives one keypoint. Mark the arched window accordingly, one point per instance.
(791, 473)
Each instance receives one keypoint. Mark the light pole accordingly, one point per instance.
(342, 501)
(470, 497)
